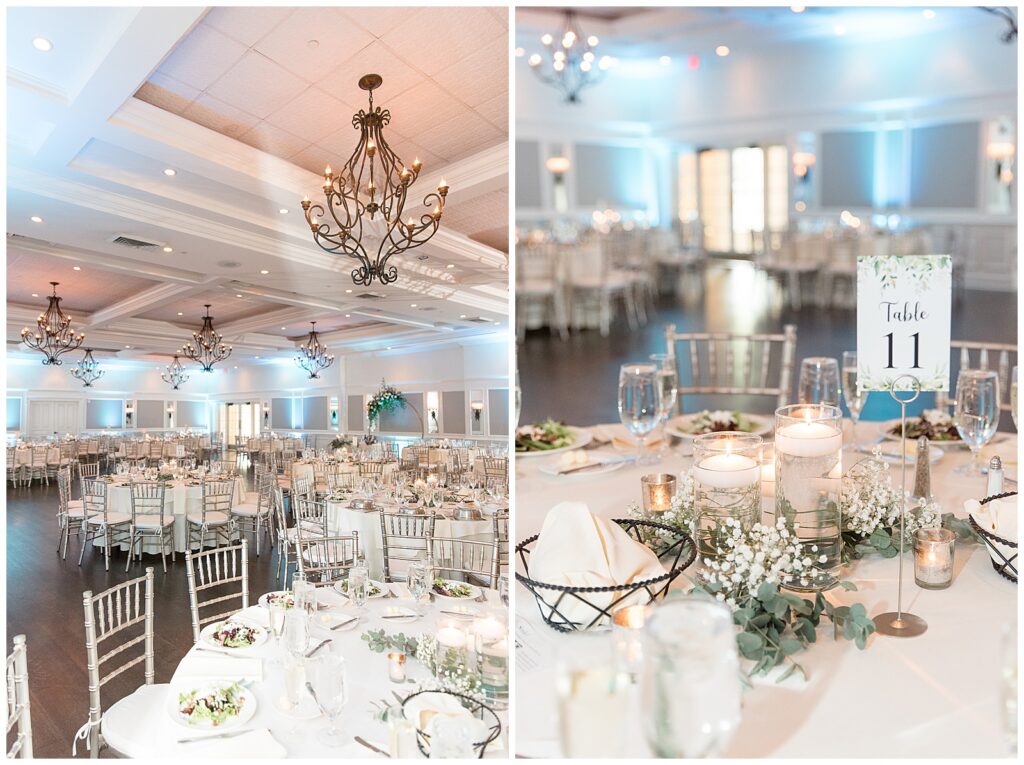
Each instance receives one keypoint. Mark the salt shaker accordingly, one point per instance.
(995, 477)
(923, 472)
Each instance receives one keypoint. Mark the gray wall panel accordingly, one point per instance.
(148, 414)
(847, 169)
(315, 414)
(528, 174)
(944, 166)
(497, 406)
(354, 416)
(453, 411)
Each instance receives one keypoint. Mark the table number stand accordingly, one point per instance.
(900, 623)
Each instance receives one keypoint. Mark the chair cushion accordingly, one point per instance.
(216, 518)
(113, 519)
(153, 521)
(128, 723)
(246, 510)
(75, 512)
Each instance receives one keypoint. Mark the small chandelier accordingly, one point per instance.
(208, 348)
(88, 369)
(55, 336)
(373, 181)
(313, 354)
(569, 63)
(175, 374)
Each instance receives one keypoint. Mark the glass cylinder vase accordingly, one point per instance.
(727, 484)
(808, 479)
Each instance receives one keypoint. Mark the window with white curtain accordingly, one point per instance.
(777, 188)
(716, 199)
(747, 197)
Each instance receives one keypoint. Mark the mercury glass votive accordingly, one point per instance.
(808, 479)
(627, 634)
(933, 558)
(727, 484)
(658, 490)
(396, 666)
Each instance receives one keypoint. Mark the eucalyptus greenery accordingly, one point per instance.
(379, 641)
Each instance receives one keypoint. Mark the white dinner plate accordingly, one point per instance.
(580, 438)
(206, 636)
(382, 589)
(887, 433)
(398, 614)
(244, 715)
(600, 467)
(265, 597)
(474, 593)
(676, 426)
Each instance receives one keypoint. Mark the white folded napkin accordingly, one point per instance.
(255, 615)
(401, 589)
(621, 438)
(580, 549)
(205, 665)
(255, 744)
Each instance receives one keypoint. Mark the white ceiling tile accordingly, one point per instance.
(224, 118)
(336, 36)
(410, 150)
(377, 21)
(315, 158)
(201, 57)
(162, 97)
(461, 136)
(247, 25)
(495, 111)
(313, 115)
(273, 140)
(259, 84)
(376, 58)
(480, 76)
(421, 107)
(436, 38)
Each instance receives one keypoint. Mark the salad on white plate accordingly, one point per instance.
(233, 634)
(219, 706)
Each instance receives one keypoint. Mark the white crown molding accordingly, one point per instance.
(37, 86)
(140, 302)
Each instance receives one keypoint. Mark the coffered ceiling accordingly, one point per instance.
(246, 106)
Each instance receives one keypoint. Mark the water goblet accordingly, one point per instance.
(640, 407)
(819, 381)
(977, 413)
(329, 687)
(419, 582)
(855, 398)
(277, 610)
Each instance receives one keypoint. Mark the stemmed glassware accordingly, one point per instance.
(640, 407)
(359, 583)
(296, 632)
(419, 582)
(669, 386)
(329, 687)
(819, 381)
(277, 610)
(855, 398)
(977, 413)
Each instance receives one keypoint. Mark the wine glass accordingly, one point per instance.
(1013, 397)
(296, 632)
(854, 397)
(419, 582)
(640, 403)
(819, 381)
(277, 610)
(329, 687)
(690, 684)
(977, 413)
(669, 383)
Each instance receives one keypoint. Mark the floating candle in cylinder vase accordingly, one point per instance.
(658, 490)
(808, 478)
(491, 637)
(933, 558)
(727, 484)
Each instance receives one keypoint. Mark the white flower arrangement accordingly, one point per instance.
(384, 400)
(453, 676)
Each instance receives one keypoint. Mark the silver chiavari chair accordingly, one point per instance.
(310, 518)
(87, 471)
(286, 536)
(93, 451)
(730, 364)
(13, 469)
(70, 512)
(999, 357)
(100, 521)
(371, 469)
(150, 520)
(214, 515)
(214, 577)
(500, 521)
(301, 488)
(405, 538)
(339, 480)
(475, 560)
(118, 620)
(38, 467)
(325, 560)
(255, 517)
(495, 469)
(19, 711)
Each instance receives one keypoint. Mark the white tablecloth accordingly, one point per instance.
(937, 695)
(181, 500)
(367, 674)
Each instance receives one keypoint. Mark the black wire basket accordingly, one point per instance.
(552, 599)
(998, 547)
(476, 708)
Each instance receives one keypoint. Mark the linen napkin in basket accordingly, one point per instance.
(580, 549)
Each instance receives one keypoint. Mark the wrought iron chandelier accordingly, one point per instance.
(569, 62)
(373, 183)
(55, 336)
(209, 347)
(313, 354)
(175, 374)
(88, 370)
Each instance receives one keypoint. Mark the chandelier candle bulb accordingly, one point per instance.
(727, 485)
(933, 558)
(658, 490)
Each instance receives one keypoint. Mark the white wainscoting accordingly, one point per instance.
(49, 416)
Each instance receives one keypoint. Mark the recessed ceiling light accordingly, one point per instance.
(665, 60)
(450, 265)
(722, 51)
(497, 323)
(264, 271)
(236, 367)
(348, 291)
(283, 211)
(168, 249)
(127, 346)
(35, 294)
(36, 219)
(237, 295)
(389, 347)
(42, 44)
(928, 13)
(76, 268)
(347, 316)
(840, 30)
(256, 357)
(412, 305)
(170, 171)
(797, 8)
(462, 316)
(284, 327)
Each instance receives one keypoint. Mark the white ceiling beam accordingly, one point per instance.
(140, 303)
(284, 316)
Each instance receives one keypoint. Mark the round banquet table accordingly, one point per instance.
(936, 695)
(342, 519)
(156, 735)
(23, 455)
(182, 497)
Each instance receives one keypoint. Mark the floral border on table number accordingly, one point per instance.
(917, 283)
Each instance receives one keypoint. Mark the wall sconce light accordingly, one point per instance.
(1003, 153)
(558, 167)
(128, 414)
(477, 407)
(266, 414)
(803, 161)
(170, 416)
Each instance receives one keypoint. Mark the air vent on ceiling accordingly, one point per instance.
(123, 240)
(479, 320)
(370, 296)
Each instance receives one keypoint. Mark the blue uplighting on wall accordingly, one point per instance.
(296, 413)
(14, 414)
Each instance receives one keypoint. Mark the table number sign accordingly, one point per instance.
(903, 315)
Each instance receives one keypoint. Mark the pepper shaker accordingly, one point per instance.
(923, 472)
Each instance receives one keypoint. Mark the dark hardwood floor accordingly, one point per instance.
(44, 601)
(576, 380)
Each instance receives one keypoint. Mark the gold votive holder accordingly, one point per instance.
(657, 490)
(933, 558)
(627, 638)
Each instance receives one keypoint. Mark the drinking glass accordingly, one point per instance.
(359, 584)
(977, 413)
(296, 632)
(593, 699)
(294, 688)
(419, 582)
(277, 610)
(854, 398)
(503, 589)
(640, 403)
(303, 593)
(669, 383)
(1013, 396)
(690, 684)
(819, 381)
(326, 673)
